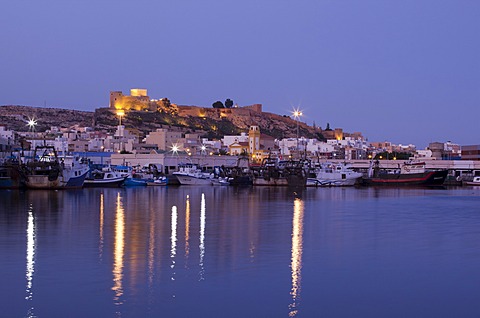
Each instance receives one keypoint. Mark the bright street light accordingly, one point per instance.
(296, 114)
(32, 123)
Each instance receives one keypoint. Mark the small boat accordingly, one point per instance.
(474, 182)
(104, 178)
(410, 173)
(160, 181)
(135, 182)
(45, 171)
(220, 181)
(330, 174)
(191, 174)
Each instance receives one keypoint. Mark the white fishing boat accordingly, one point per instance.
(105, 177)
(330, 174)
(191, 174)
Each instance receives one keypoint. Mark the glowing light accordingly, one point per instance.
(187, 227)
(32, 122)
(120, 114)
(297, 252)
(118, 252)
(31, 248)
(173, 239)
(297, 113)
(202, 236)
(174, 149)
(151, 249)
(102, 217)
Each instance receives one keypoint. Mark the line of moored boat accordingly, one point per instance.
(47, 171)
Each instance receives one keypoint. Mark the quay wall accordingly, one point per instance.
(169, 162)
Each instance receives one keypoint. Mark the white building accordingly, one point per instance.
(229, 140)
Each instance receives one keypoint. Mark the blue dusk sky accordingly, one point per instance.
(403, 71)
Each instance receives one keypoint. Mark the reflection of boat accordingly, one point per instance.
(474, 182)
(47, 172)
(409, 173)
(105, 178)
(191, 174)
(333, 175)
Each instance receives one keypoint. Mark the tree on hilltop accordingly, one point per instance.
(218, 104)
(228, 103)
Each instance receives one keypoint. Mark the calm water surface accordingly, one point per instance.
(240, 252)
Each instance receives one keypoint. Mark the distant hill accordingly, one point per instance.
(210, 122)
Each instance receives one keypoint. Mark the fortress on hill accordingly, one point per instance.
(244, 116)
(140, 101)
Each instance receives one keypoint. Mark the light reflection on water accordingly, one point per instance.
(31, 247)
(118, 251)
(259, 252)
(297, 251)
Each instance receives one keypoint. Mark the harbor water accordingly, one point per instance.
(240, 252)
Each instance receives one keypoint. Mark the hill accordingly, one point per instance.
(210, 122)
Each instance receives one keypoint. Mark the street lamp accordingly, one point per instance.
(120, 113)
(174, 148)
(296, 114)
(32, 122)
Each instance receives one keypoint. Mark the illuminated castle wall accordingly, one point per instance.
(138, 100)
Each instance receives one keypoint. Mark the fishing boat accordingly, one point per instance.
(11, 175)
(46, 171)
(269, 173)
(409, 173)
(328, 174)
(191, 174)
(280, 173)
(105, 177)
(239, 175)
(135, 182)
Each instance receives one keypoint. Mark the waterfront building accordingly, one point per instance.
(446, 151)
(470, 152)
(238, 148)
(7, 138)
(229, 140)
(163, 138)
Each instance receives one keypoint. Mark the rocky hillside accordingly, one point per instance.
(214, 123)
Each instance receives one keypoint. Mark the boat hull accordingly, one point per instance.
(314, 182)
(428, 178)
(104, 183)
(135, 182)
(270, 181)
(190, 180)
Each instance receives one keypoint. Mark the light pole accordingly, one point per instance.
(296, 114)
(120, 113)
